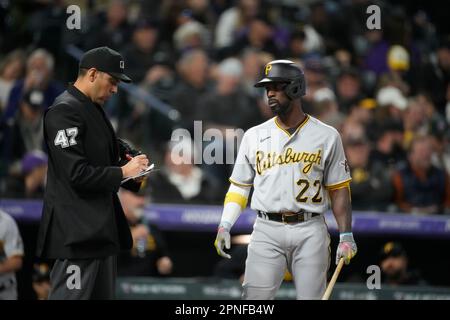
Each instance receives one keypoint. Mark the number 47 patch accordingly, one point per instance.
(62, 140)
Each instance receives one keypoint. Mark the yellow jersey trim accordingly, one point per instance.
(344, 185)
(299, 127)
(240, 184)
(339, 185)
(236, 198)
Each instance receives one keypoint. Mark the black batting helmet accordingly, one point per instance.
(288, 72)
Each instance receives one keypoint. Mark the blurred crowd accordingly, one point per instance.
(386, 91)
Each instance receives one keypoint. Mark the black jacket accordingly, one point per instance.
(82, 216)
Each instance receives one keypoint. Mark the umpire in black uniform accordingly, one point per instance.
(83, 226)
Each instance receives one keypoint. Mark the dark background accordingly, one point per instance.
(438, 11)
(194, 255)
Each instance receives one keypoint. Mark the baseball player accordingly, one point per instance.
(297, 166)
(11, 255)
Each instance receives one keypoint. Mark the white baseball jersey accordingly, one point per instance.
(290, 172)
(10, 245)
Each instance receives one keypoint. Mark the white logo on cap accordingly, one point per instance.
(122, 64)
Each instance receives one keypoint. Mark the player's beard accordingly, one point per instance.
(279, 109)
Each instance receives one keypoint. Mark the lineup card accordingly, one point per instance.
(142, 173)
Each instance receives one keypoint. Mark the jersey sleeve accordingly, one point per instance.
(13, 244)
(243, 172)
(337, 171)
(64, 130)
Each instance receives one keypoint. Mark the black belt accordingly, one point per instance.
(287, 217)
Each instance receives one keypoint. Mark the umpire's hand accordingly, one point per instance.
(135, 166)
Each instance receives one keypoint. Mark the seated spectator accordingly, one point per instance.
(39, 75)
(326, 109)
(375, 55)
(436, 123)
(252, 64)
(388, 142)
(139, 54)
(30, 183)
(415, 121)
(419, 186)
(362, 111)
(370, 186)
(153, 127)
(25, 133)
(394, 266)
(160, 79)
(228, 98)
(41, 280)
(149, 256)
(352, 130)
(181, 181)
(436, 74)
(400, 73)
(12, 68)
(191, 35)
(203, 11)
(193, 67)
(392, 104)
(348, 89)
(234, 20)
(11, 256)
(343, 59)
(260, 35)
(316, 79)
(251, 71)
(303, 42)
(441, 145)
(115, 31)
(360, 117)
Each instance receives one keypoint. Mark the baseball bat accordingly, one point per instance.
(330, 287)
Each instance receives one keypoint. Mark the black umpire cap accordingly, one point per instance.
(106, 60)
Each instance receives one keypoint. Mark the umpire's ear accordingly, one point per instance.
(92, 74)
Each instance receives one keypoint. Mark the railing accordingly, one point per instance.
(213, 289)
(206, 218)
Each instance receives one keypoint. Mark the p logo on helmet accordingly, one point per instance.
(268, 67)
(287, 72)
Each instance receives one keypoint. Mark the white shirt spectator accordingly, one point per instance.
(11, 245)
